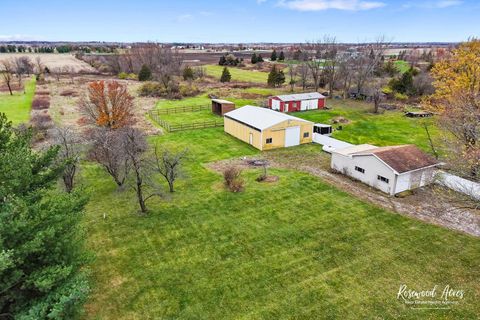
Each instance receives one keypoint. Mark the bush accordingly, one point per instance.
(233, 179)
(127, 76)
(152, 89)
(189, 90)
(41, 103)
(145, 73)
(400, 96)
(41, 121)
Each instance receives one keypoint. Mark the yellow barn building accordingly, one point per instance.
(266, 129)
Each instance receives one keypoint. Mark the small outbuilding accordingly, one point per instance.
(418, 114)
(266, 129)
(390, 169)
(221, 107)
(297, 102)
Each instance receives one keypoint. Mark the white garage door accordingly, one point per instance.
(309, 105)
(275, 105)
(292, 136)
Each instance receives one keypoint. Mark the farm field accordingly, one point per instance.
(206, 253)
(53, 60)
(17, 107)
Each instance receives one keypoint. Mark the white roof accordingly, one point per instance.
(260, 118)
(301, 96)
(322, 125)
(221, 101)
(354, 149)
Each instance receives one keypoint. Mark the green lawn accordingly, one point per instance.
(298, 248)
(238, 74)
(17, 107)
(388, 128)
(402, 66)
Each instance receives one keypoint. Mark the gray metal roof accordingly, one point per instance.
(221, 101)
(301, 96)
(260, 118)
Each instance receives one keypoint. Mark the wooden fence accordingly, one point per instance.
(181, 109)
(184, 126)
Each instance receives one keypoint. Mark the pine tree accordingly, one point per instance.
(145, 74)
(259, 58)
(272, 76)
(254, 58)
(273, 57)
(41, 243)
(281, 57)
(222, 61)
(188, 73)
(226, 76)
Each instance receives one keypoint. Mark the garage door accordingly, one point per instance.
(292, 136)
(276, 105)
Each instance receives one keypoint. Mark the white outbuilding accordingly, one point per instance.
(390, 169)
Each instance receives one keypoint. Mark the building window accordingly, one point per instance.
(383, 179)
(306, 134)
(361, 170)
(269, 140)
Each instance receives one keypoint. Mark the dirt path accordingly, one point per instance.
(427, 205)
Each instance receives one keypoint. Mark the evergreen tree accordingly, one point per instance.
(275, 77)
(259, 58)
(222, 61)
(282, 56)
(188, 73)
(145, 73)
(273, 57)
(41, 243)
(254, 58)
(226, 76)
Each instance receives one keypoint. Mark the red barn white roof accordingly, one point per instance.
(301, 96)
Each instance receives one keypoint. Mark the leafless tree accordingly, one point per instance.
(39, 66)
(169, 164)
(369, 59)
(135, 147)
(56, 72)
(69, 71)
(6, 67)
(69, 142)
(315, 62)
(107, 150)
(345, 74)
(330, 55)
(22, 66)
(292, 75)
(164, 62)
(303, 73)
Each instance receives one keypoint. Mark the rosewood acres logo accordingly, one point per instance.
(435, 298)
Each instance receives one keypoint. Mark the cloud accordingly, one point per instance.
(261, 1)
(18, 37)
(433, 4)
(184, 17)
(319, 5)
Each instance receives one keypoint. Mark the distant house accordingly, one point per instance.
(220, 107)
(297, 102)
(390, 169)
(266, 129)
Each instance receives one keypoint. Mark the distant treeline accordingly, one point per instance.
(10, 48)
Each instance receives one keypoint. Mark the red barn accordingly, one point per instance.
(297, 102)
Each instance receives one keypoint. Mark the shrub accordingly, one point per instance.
(152, 89)
(41, 121)
(226, 76)
(188, 73)
(188, 90)
(400, 96)
(40, 103)
(233, 179)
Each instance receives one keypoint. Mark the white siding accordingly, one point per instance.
(309, 104)
(292, 136)
(275, 105)
(372, 166)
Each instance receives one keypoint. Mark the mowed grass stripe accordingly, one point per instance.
(17, 107)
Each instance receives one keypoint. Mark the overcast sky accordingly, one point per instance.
(239, 21)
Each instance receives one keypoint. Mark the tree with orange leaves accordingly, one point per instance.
(457, 100)
(108, 104)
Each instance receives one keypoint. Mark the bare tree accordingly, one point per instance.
(292, 75)
(70, 72)
(330, 55)
(303, 73)
(315, 63)
(22, 66)
(107, 150)
(7, 71)
(135, 146)
(345, 74)
(169, 164)
(69, 142)
(369, 59)
(39, 66)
